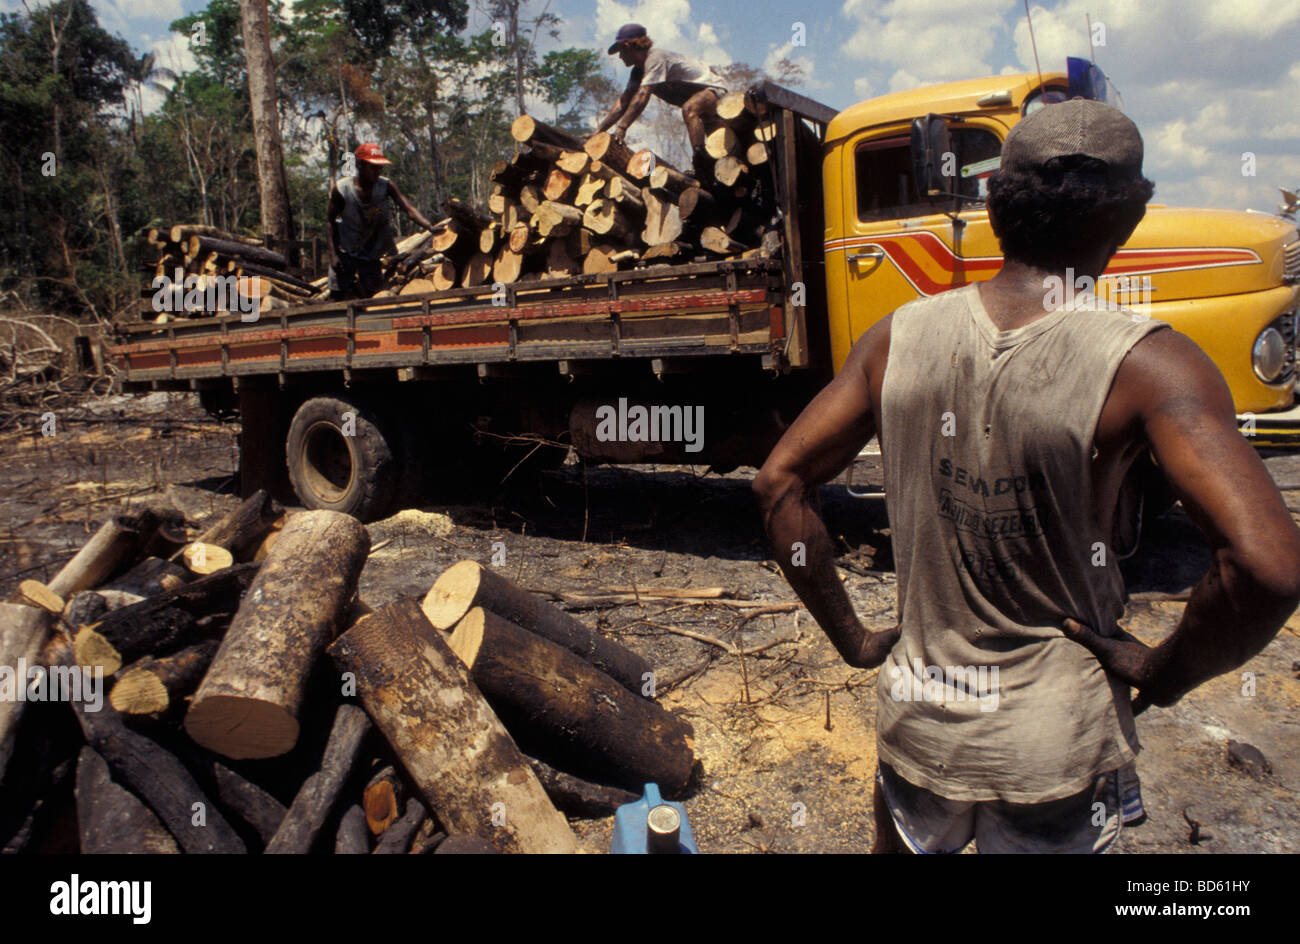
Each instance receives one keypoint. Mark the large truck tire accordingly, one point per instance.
(339, 459)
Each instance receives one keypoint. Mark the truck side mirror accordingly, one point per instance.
(930, 143)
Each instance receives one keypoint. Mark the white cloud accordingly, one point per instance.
(925, 40)
(670, 24)
(862, 87)
(805, 63)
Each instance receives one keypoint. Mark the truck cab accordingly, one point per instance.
(1227, 279)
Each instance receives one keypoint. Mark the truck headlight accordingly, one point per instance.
(1269, 355)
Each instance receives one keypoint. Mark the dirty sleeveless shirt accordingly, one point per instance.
(987, 441)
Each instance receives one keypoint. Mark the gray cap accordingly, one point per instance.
(1078, 126)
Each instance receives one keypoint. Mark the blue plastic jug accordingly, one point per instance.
(651, 825)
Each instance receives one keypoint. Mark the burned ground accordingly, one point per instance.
(783, 728)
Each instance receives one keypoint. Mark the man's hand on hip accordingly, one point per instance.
(1129, 660)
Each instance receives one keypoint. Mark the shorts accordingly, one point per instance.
(1088, 822)
(355, 278)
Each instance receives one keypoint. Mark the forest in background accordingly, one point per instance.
(435, 82)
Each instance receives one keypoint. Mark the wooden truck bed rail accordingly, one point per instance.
(729, 307)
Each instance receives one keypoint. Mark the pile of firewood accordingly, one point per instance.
(234, 716)
(204, 252)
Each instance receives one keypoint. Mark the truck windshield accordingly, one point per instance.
(883, 170)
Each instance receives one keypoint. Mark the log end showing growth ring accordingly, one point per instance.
(241, 728)
(452, 594)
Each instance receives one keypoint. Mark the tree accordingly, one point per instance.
(277, 217)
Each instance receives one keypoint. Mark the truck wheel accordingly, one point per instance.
(340, 460)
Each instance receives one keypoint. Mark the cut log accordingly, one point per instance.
(666, 180)
(455, 241)
(277, 278)
(606, 218)
(514, 214)
(526, 129)
(664, 252)
(198, 245)
(696, 204)
(737, 110)
(488, 236)
(722, 142)
(600, 260)
(641, 164)
(625, 255)
(464, 214)
(715, 239)
(559, 263)
(603, 147)
(756, 154)
(111, 819)
(508, 266)
(248, 801)
(241, 529)
(152, 685)
(183, 231)
(34, 593)
(467, 584)
(204, 559)
(23, 630)
(577, 797)
(729, 170)
(456, 751)
(663, 221)
(153, 774)
(314, 802)
(531, 197)
(765, 130)
(88, 606)
(589, 188)
(92, 651)
(171, 620)
(382, 800)
(113, 545)
(353, 838)
(247, 705)
(556, 219)
(418, 287)
(573, 162)
(520, 238)
(558, 184)
(627, 195)
(396, 839)
(563, 710)
(443, 276)
(478, 270)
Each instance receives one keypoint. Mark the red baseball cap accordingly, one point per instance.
(371, 154)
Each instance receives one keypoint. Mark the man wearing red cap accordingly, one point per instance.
(360, 228)
(678, 80)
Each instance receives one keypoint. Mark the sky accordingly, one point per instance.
(1214, 85)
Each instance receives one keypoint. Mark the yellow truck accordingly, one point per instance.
(708, 360)
(1229, 280)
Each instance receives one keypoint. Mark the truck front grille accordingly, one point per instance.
(1288, 325)
(1291, 262)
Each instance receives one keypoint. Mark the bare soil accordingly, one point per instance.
(786, 733)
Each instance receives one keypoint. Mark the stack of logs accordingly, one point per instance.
(558, 208)
(233, 715)
(205, 252)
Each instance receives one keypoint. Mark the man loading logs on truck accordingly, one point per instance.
(360, 228)
(1007, 423)
(678, 80)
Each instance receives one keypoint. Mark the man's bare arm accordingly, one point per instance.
(1186, 414)
(632, 113)
(615, 113)
(407, 207)
(332, 210)
(821, 442)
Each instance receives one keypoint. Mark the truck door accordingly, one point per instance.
(897, 244)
